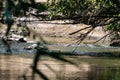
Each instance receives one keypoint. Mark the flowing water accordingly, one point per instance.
(62, 45)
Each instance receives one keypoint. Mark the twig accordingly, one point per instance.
(103, 37)
(82, 38)
(79, 30)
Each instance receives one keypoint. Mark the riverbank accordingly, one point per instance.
(62, 28)
(57, 28)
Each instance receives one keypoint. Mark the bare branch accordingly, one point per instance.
(79, 30)
(103, 37)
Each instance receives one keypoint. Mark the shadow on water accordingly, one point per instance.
(39, 53)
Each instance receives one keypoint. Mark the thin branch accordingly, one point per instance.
(107, 23)
(92, 32)
(79, 30)
(103, 37)
(82, 38)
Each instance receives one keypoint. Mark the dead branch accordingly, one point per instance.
(79, 30)
(103, 37)
(81, 38)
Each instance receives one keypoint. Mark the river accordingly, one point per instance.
(61, 44)
(87, 65)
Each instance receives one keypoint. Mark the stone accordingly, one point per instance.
(115, 43)
(22, 40)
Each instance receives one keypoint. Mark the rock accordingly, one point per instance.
(35, 46)
(22, 40)
(31, 47)
(115, 43)
(41, 47)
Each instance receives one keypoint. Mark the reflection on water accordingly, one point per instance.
(104, 73)
(16, 68)
(95, 73)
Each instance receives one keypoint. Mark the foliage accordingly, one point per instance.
(95, 12)
(92, 12)
(113, 27)
(68, 8)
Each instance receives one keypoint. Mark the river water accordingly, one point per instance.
(62, 47)
(60, 44)
(88, 68)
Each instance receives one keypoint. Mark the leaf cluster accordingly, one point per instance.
(113, 27)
